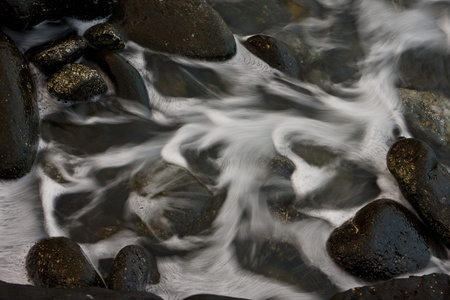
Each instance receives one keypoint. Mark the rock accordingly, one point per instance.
(431, 286)
(280, 259)
(128, 83)
(427, 115)
(424, 182)
(19, 115)
(383, 240)
(274, 52)
(132, 269)
(76, 82)
(60, 263)
(52, 56)
(10, 291)
(211, 297)
(191, 28)
(104, 36)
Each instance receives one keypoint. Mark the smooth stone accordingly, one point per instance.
(211, 297)
(132, 269)
(76, 82)
(19, 114)
(52, 56)
(188, 28)
(11, 291)
(432, 286)
(104, 36)
(383, 240)
(424, 182)
(58, 262)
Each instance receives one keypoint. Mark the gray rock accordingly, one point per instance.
(104, 36)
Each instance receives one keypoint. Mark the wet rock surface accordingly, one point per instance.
(433, 286)
(104, 36)
(19, 115)
(132, 269)
(211, 297)
(52, 56)
(76, 82)
(383, 240)
(59, 262)
(424, 182)
(191, 28)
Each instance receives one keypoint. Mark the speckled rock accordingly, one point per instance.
(59, 262)
(383, 240)
(424, 182)
(191, 28)
(76, 82)
(19, 115)
(132, 269)
(104, 36)
(52, 56)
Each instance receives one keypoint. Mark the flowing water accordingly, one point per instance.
(337, 141)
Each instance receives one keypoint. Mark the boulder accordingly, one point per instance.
(424, 182)
(188, 28)
(19, 115)
(58, 262)
(383, 240)
(104, 36)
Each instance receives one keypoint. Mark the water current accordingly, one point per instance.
(337, 141)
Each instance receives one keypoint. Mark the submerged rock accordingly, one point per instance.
(104, 36)
(432, 286)
(76, 82)
(383, 240)
(19, 115)
(189, 28)
(424, 182)
(58, 262)
(211, 297)
(52, 56)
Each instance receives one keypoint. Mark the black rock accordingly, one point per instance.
(383, 240)
(76, 82)
(19, 115)
(10, 291)
(52, 56)
(432, 286)
(211, 297)
(189, 28)
(132, 269)
(424, 182)
(104, 36)
(59, 262)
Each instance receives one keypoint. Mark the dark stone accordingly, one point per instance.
(190, 28)
(202, 162)
(52, 56)
(132, 269)
(211, 297)
(383, 240)
(128, 83)
(432, 286)
(281, 260)
(424, 182)
(10, 291)
(76, 82)
(104, 36)
(19, 115)
(274, 52)
(60, 263)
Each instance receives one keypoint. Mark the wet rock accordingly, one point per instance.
(427, 115)
(383, 240)
(424, 182)
(170, 201)
(104, 36)
(211, 297)
(10, 291)
(132, 269)
(274, 52)
(202, 162)
(128, 83)
(431, 286)
(76, 82)
(280, 259)
(52, 56)
(60, 263)
(19, 115)
(191, 28)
